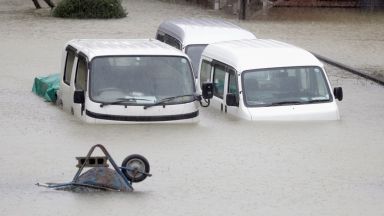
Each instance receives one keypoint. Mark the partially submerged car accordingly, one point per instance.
(268, 80)
(192, 35)
(111, 80)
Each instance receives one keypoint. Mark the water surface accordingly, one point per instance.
(220, 166)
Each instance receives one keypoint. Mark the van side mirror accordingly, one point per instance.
(207, 90)
(79, 97)
(232, 100)
(338, 92)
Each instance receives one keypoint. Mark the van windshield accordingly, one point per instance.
(285, 86)
(140, 80)
(194, 52)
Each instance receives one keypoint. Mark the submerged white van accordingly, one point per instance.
(116, 81)
(268, 80)
(192, 35)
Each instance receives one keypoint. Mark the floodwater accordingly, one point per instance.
(220, 166)
(354, 37)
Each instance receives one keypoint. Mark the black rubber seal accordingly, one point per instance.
(142, 118)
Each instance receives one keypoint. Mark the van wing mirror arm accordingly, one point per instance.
(207, 102)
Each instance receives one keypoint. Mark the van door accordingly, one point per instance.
(219, 85)
(205, 74)
(232, 87)
(80, 83)
(66, 84)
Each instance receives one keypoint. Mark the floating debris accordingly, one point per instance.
(135, 168)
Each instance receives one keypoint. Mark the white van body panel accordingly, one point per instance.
(122, 47)
(64, 92)
(308, 112)
(203, 31)
(260, 53)
(192, 35)
(92, 112)
(245, 55)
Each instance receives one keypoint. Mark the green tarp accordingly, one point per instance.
(47, 86)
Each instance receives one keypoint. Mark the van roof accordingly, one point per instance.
(203, 30)
(259, 53)
(119, 47)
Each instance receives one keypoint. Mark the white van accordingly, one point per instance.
(268, 80)
(116, 81)
(192, 35)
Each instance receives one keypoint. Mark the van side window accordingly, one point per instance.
(218, 81)
(321, 86)
(232, 82)
(68, 66)
(81, 74)
(160, 36)
(205, 72)
(172, 41)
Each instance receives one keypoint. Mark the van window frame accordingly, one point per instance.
(323, 74)
(216, 64)
(177, 42)
(68, 71)
(160, 36)
(205, 61)
(232, 72)
(81, 56)
(91, 75)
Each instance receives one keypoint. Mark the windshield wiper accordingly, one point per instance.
(122, 101)
(286, 102)
(164, 100)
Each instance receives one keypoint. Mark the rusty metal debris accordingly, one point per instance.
(99, 177)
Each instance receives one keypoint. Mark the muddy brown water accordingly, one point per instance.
(220, 166)
(353, 37)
